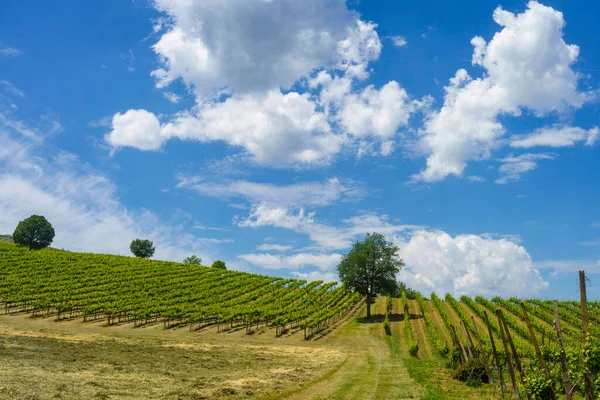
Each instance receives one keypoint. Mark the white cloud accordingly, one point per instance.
(558, 266)
(595, 224)
(273, 247)
(324, 236)
(514, 166)
(325, 262)
(307, 194)
(468, 264)
(9, 51)
(316, 276)
(172, 97)
(136, 128)
(210, 228)
(254, 46)
(476, 178)
(11, 89)
(399, 41)
(555, 136)
(527, 67)
(102, 122)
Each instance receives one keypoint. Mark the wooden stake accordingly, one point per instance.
(511, 371)
(468, 338)
(498, 365)
(585, 320)
(484, 358)
(513, 349)
(538, 351)
(462, 348)
(563, 355)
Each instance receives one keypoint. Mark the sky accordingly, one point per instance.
(272, 134)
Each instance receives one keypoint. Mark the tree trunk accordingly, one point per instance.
(368, 306)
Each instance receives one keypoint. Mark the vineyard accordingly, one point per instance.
(122, 290)
(511, 344)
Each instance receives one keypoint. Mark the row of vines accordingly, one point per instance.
(120, 290)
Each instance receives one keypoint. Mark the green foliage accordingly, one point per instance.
(34, 232)
(195, 260)
(142, 248)
(387, 326)
(370, 268)
(388, 304)
(132, 289)
(219, 264)
(536, 385)
(440, 345)
(409, 335)
(411, 294)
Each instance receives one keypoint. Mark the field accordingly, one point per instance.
(96, 326)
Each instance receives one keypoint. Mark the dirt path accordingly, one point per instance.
(418, 327)
(371, 370)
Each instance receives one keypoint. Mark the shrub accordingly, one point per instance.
(472, 372)
(195, 260)
(219, 264)
(387, 326)
(536, 385)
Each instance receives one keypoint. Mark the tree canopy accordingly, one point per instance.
(219, 264)
(142, 248)
(34, 232)
(370, 268)
(193, 259)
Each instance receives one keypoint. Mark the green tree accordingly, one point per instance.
(34, 232)
(370, 268)
(219, 264)
(193, 260)
(142, 248)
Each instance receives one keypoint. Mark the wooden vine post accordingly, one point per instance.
(511, 371)
(585, 320)
(563, 355)
(496, 358)
(514, 350)
(462, 348)
(482, 351)
(462, 324)
(538, 351)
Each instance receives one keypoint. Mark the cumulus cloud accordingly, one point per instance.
(555, 136)
(399, 41)
(527, 67)
(254, 46)
(514, 166)
(468, 264)
(136, 128)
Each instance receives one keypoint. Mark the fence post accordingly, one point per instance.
(538, 351)
(462, 348)
(514, 350)
(498, 365)
(482, 351)
(563, 355)
(585, 319)
(468, 337)
(511, 371)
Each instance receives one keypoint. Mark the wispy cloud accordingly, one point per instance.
(399, 41)
(9, 51)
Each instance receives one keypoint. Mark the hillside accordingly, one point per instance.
(119, 290)
(200, 332)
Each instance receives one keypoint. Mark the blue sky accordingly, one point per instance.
(271, 134)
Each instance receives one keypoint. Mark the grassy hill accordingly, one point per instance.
(209, 333)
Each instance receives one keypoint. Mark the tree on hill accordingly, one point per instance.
(142, 248)
(193, 259)
(219, 264)
(370, 268)
(34, 232)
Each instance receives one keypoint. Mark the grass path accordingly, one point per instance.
(371, 370)
(418, 327)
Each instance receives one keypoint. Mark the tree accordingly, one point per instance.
(370, 268)
(142, 248)
(219, 264)
(193, 260)
(34, 232)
